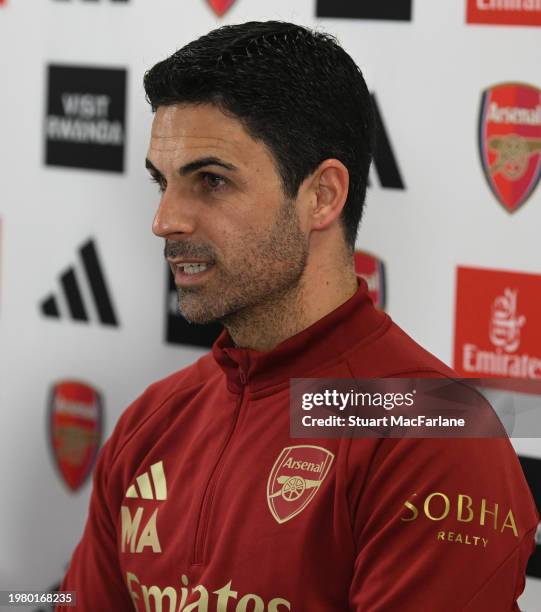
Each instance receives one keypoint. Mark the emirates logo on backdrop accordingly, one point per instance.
(497, 327)
(505, 324)
(510, 141)
(504, 12)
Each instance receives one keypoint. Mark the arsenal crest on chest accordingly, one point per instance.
(295, 478)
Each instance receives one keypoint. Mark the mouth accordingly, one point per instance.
(190, 272)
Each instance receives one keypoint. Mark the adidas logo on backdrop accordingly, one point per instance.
(81, 291)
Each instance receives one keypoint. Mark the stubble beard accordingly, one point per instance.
(265, 276)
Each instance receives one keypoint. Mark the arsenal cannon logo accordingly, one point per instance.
(510, 141)
(295, 478)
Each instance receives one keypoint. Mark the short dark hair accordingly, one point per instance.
(294, 89)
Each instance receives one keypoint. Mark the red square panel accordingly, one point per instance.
(497, 324)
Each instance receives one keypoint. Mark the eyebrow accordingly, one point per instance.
(197, 164)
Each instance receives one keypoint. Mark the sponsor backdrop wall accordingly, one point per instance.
(449, 241)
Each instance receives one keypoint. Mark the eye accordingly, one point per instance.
(213, 182)
(159, 181)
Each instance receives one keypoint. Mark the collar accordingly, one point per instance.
(321, 343)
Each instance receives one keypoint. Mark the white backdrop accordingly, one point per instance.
(428, 75)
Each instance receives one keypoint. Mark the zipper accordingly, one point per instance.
(210, 490)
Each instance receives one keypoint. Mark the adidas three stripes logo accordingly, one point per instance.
(71, 291)
(150, 486)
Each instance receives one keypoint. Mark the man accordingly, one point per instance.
(260, 146)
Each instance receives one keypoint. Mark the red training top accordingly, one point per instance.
(202, 502)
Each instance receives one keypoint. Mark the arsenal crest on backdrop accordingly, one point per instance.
(510, 141)
(220, 6)
(75, 428)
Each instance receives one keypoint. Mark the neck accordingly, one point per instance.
(320, 291)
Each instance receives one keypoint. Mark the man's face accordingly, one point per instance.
(232, 239)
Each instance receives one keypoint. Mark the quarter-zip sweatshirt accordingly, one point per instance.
(202, 501)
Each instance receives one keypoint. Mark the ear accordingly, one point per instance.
(328, 186)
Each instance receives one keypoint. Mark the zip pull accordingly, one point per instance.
(242, 376)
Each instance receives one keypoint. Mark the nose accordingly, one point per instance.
(175, 215)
